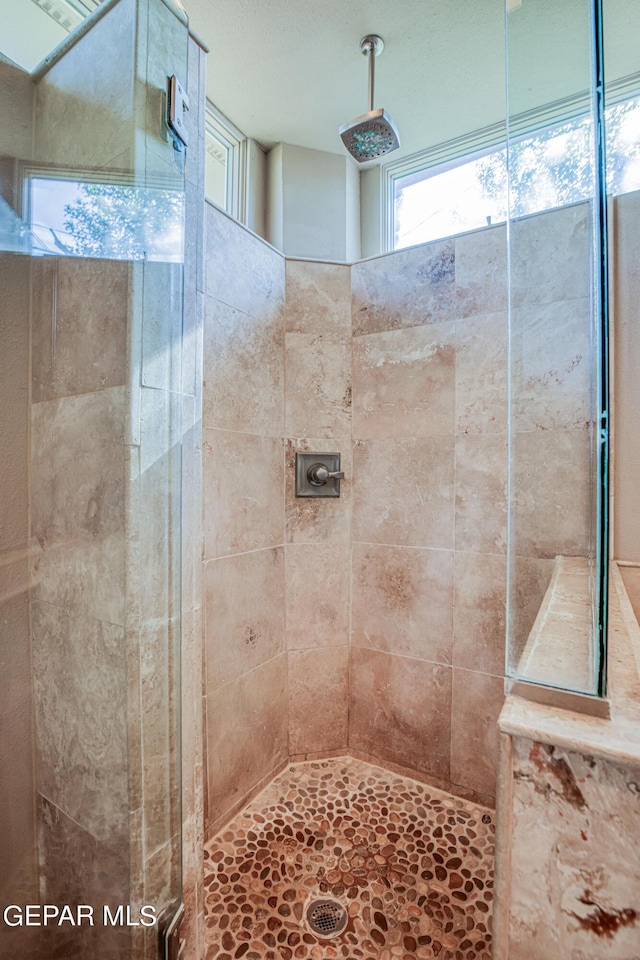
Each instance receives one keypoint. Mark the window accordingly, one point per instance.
(552, 167)
(224, 163)
(107, 220)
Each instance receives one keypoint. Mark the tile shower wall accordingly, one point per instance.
(243, 477)
(109, 401)
(429, 508)
(79, 317)
(394, 594)
(78, 582)
(626, 352)
(391, 601)
(318, 418)
(18, 881)
(551, 396)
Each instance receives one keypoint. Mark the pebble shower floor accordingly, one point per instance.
(412, 866)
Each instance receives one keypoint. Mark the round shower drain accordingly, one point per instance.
(326, 918)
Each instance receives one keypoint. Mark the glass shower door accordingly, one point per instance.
(91, 257)
(558, 428)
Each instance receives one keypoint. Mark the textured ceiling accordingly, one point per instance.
(292, 71)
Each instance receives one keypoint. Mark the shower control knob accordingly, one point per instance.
(317, 474)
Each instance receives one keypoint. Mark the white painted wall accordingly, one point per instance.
(275, 198)
(256, 196)
(371, 213)
(313, 205)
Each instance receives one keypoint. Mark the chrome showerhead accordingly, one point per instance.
(374, 134)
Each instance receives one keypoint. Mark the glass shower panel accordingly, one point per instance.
(91, 264)
(557, 390)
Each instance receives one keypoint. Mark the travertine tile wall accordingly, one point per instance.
(552, 511)
(78, 585)
(81, 670)
(571, 893)
(115, 380)
(318, 531)
(429, 508)
(425, 464)
(409, 566)
(18, 879)
(243, 476)
(626, 354)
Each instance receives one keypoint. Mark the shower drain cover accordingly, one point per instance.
(326, 918)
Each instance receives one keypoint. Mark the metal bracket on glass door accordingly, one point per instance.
(177, 103)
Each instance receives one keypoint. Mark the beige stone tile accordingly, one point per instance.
(404, 382)
(400, 710)
(14, 408)
(550, 258)
(318, 298)
(317, 588)
(157, 688)
(481, 374)
(243, 487)
(481, 493)
(86, 578)
(529, 580)
(71, 860)
(162, 309)
(246, 733)
(481, 271)
(158, 545)
(551, 366)
(80, 686)
(243, 371)
(626, 383)
(242, 270)
(19, 878)
(551, 493)
(318, 699)
(77, 503)
(403, 601)
(591, 831)
(321, 519)
(79, 491)
(244, 621)
(479, 614)
(318, 393)
(403, 492)
(631, 579)
(192, 343)
(160, 875)
(476, 702)
(404, 289)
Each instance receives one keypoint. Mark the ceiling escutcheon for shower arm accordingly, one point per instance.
(374, 134)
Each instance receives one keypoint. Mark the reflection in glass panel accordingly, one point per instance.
(31, 29)
(90, 617)
(109, 221)
(555, 332)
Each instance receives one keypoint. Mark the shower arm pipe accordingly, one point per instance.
(372, 46)
(372, 74)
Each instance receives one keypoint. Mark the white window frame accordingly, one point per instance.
(233, 142)
(445, 156)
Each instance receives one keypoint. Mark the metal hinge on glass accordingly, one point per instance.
(177, 103)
